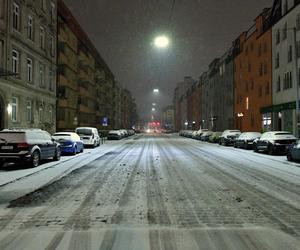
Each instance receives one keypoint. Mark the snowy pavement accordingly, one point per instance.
(154, 192)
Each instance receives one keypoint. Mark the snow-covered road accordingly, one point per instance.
(153, 192)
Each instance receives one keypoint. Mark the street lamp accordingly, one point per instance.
(154, 104)
(153, 109)
(155, 91)
(161, 42)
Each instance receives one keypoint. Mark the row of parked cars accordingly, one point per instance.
(31, 146)
(119, 134)
(273, 142)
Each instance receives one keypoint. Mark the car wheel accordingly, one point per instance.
(57, 154)
(255, 148)
(81, 151)
(75, 151)
(234, 145)
(35, 159)
(271, 150)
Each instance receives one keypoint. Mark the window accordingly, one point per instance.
(260, 91)
(287, 81)
(29, 111)
(1, 53)
(267, 89)
(52, 46)
(16, 17)
(52, 11)
(261, 69)
(15, 61)
(14, 109)
(290, 54)
(277, 36)
(298, 21)
(247, 103)
(284, 32)
(278, 84)
(277, 61)
(42, 38)
(1, 9)
(51, 81)
(29, 70)
(41, 114)
(30, 28)
(249, 67)
(50, 114)
(42, 76)
(252, 84)
(265, 68)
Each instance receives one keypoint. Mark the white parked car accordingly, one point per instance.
(89, 136)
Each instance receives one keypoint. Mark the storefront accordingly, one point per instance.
(282, 115)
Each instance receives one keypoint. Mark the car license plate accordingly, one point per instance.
(7, 147)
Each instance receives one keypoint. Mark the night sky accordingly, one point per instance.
(200, 30)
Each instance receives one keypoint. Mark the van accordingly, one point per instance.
(89, 136)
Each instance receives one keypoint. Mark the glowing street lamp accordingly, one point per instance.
(154, 104)
(156, 91)
(153, 109)
(161, 42)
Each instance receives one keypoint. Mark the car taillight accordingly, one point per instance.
(22, 145)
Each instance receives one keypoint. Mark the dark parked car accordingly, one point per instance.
(115, 135)
(215, 137)
(205, 136)
(293, 152)
(245, 140)
(228, 137)
(28, 146)
(274, 142)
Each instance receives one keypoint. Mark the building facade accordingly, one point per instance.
(217, 86)
(180, 102)
(87, 92)
(253, 76)
(286, 67)
(28, 64)
(167, 120)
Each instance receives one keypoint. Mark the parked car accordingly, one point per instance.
(114, 135)
(274, 142)
(205, 136)
(293, 152)
(70, 142)
(215, 137)
(28, 146)
(89, 136)
(199, 133)
(228, 137)
(245, 140)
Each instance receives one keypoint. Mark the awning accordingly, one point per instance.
(4, 72)
(278, 108)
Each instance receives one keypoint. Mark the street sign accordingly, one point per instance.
(104, 121)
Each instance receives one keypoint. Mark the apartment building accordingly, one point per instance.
(180, 102)
(28, 64)
(286, 67)
(253, 76)
(86, 89)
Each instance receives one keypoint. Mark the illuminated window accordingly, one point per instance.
(247, 103)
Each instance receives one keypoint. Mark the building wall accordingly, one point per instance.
(253, 76)
(30, 102)
(180, 102)
(87, 90)
(284, 91)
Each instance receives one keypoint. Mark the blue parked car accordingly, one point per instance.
(70, 142)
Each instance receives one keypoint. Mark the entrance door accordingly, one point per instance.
(2, 113)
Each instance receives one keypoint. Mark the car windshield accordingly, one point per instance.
(62, 136)
(84, 131)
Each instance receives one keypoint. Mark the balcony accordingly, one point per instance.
(83, 109)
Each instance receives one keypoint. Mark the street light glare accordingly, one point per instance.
(161, 42)
(155, 90)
